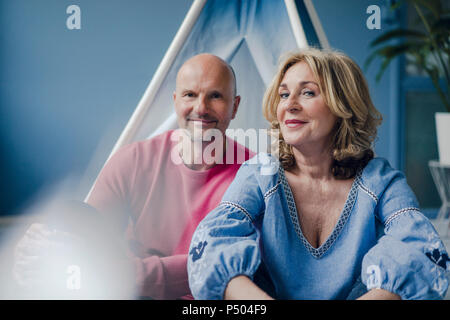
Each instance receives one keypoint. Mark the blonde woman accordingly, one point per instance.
(330, 215)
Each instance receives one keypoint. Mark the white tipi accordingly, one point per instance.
(249, 34)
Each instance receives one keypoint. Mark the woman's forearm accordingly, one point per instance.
(242, 288)
(379, 294)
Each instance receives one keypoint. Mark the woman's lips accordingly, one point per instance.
(294, 123)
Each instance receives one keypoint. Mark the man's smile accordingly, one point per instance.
(202, 122)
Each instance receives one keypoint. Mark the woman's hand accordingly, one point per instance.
(379, 294)
(242, 288)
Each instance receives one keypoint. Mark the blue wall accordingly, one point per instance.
(61, 89)
(344, 22)
(64, 92)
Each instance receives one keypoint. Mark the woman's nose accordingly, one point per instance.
(292, 104)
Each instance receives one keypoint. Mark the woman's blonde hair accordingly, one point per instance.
(345, 92)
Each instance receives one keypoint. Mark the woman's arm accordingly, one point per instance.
(409, 258)
(242, 288)
(226, 242)
(379, 294)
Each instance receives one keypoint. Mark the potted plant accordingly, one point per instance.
(428, 48)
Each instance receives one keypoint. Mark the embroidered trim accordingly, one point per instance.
(345, 214)
(370, 193)
(397, 213)
(272, 190)
(240, 208)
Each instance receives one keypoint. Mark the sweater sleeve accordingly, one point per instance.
(156, 277)
(225, 244)
(162, 277)
(409, 259)
(111, 192)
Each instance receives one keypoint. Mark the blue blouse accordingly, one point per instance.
(381, 240)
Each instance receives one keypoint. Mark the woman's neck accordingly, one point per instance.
(314, 163)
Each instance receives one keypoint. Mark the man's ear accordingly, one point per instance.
(237, 100)
(174, 96)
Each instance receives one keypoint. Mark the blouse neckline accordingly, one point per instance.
(343, 218)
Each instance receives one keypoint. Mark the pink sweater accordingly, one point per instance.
(161, 203)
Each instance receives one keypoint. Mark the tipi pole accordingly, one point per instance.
(317, 24)
(150, 93)
(296, 24)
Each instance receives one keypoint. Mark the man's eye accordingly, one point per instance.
(216, 95)
(188, 94)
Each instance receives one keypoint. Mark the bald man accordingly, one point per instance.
(157, 191)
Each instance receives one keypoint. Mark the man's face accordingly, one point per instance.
(204, 96)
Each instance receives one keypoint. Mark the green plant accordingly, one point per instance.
(429, 50)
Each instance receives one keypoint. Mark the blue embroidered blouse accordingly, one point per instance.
(381, 240)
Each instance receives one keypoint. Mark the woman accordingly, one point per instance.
(330, 215)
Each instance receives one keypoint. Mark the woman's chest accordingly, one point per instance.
(319, 209)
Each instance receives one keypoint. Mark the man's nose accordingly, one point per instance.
(201, 106)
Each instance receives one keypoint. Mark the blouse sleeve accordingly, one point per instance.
(225, 243)
(409, 259)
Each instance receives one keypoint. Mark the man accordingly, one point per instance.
(161, 200)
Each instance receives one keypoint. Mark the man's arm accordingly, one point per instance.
(155, 276)
(162, 277)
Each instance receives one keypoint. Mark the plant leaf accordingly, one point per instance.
(396, 4)
(434, 6)
(388, 53)
(397, 33)
(383, 67)
(395, 50)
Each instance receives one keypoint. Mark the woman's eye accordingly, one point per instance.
(309, 93)
(284, 95)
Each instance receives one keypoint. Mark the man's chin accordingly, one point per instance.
(203, 134)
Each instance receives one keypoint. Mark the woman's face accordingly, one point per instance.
(304, 118)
